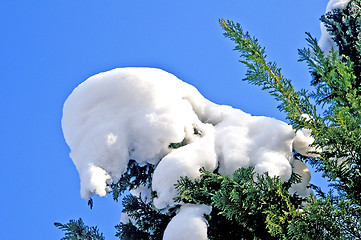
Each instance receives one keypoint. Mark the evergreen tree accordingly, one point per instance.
(336, 78)
(246, 206)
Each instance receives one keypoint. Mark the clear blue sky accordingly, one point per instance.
(47, 48)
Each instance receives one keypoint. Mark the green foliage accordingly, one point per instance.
(149, 223)
(338, 133)
(145, 221)
(76, 230)
(337, 82)
(134, 176)
(325, 218)
(252, 206)
(344, 25)
(266, 74)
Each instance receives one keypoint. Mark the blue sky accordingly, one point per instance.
(47, 48)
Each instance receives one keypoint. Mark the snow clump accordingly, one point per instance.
(188, 224)
(137, 113)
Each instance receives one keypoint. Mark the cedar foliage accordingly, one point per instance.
(244, 206)
(145, 221)
(77, 230)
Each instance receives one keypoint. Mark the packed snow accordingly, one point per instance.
(326, 42)
(189, 223)
(136, 113)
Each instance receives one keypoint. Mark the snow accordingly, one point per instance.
(326, 42)
(302, 141)
(243, 140)
(136, 113)
(188, 224)
(301, 188)
(184, 161)
(130, 113)
(124, 218)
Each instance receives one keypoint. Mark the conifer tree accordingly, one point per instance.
(336, 79)
(250, 206)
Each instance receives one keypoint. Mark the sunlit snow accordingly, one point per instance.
(188, 224)
(136, 113)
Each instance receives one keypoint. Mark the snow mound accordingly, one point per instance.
(184, 161)
(188, 224)
(151, 116)
(129, 113)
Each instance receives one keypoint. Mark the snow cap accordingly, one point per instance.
(137, 113)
